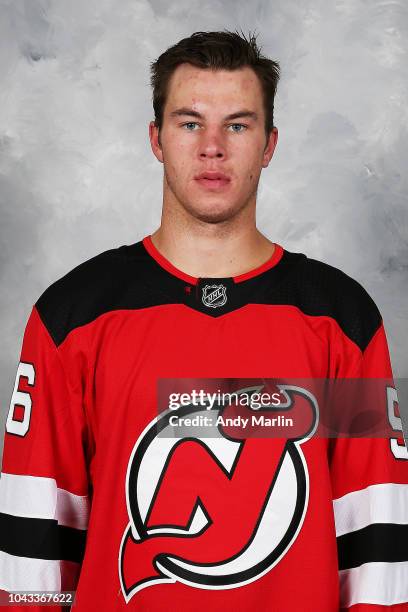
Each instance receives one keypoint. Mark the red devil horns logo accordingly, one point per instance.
(203, 511)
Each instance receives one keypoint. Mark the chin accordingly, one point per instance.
(213, 215)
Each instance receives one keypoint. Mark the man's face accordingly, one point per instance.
(199, 135)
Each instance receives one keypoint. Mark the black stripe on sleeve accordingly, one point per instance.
(385, 542)
(41, 539)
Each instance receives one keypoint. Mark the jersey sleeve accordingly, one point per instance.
(370, 496)
(44, 485)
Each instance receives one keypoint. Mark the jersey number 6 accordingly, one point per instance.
(21, 398)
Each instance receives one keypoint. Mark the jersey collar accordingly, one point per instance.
(212, 296)
(192, 280)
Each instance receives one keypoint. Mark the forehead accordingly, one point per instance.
(205, 89)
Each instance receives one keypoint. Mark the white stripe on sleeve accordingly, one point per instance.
(379, 503)
(25, 574)
(374, 583)
(39, 497)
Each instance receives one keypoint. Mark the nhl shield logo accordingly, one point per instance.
(214, 295)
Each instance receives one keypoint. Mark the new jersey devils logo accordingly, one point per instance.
(213, 512)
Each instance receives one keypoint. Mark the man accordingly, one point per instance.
(106, 487)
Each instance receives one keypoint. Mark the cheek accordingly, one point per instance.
(177, 159)
(247, 164)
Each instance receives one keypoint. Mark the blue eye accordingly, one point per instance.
(239, 125)
(190, 123)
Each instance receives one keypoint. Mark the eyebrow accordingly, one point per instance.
(192, 113)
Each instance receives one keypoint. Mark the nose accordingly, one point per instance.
(212, 145)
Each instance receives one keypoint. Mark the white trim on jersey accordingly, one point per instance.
(39, 497)
(378, 503)
(374, 583)
(25, 574)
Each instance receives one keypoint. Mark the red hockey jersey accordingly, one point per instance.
(95, 499)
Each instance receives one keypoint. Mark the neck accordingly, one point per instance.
(212, 250)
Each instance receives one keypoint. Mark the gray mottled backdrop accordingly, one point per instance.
(77, 175)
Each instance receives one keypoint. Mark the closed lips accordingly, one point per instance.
(213, 176)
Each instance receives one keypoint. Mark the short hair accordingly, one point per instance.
(215, 50)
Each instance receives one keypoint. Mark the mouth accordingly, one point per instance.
(213, 181)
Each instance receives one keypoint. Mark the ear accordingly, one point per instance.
(270, 147)
(155, 143)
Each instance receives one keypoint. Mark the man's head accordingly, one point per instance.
(213, 98)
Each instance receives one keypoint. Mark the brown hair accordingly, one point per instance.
(215, 50)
